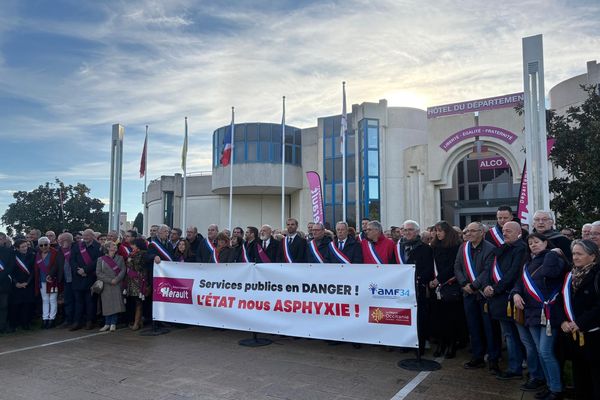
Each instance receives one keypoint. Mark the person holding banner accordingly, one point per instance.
(345, 249)
(293, 246)
(318, 247)
(377, 249)
(495, 235)
(506, 267)
(111, 270)
(579, 311)
(447, 309)
(160, 248)
(22, 296)
(536, 293)
(471, 269)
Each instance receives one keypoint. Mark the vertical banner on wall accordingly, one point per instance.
(316, 196)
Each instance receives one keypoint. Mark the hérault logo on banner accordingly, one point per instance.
(387, 293)
(389, 315)
(171, 290)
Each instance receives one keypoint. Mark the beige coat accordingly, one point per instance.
(112, 295)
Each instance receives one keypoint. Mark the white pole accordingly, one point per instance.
(231, 167)
(344, 129)
(184, 160)
(283, 167)
(145, 225)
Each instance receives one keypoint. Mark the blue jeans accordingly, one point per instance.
(111, 319)
(480, 329)
(513, 346)
(533, 359)
(545, 347)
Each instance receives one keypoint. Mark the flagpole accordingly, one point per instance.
(283, 167)
(344, 129)
(184, 165)
(145, 225)
(231, 166)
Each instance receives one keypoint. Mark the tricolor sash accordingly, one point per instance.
(538, 296)
(497, 235)
(496, 272)
(1, 266)
(566, 291)
(400, 256)
(126, 250)
(212, 249)
(164, 254)
(112, 264)
(315, 251)
(84, 254)
(245, 254)
(287, 255)
(373, 252)
(21, 265)
(262, 254)
(468, 261)
(338, 253)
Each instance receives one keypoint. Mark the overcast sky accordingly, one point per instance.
(71, 69)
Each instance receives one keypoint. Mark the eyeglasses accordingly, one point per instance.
(541, 219)
(44, 245)
(471, 230)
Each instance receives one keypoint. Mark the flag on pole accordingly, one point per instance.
(227, 145)
(185, 147)
(143, 160)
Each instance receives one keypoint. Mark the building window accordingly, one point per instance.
(168, 208)
(369, 168)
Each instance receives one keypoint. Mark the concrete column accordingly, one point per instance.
(116, 176)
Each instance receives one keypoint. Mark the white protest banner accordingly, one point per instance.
(355, 303)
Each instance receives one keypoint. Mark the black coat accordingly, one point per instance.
(77, 261)
(511, 258)
(444, 262)
(482, 255)
(272, 251)
(421, 255)
(297, 250)
(205, 254)
(153, 251)
(323, 247)
(560, 241)
(352, 249)
(7, 258)
(26, 294)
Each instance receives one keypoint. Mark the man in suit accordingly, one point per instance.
(269, 246)
(293, 247)
(494, 235)
(207, 247)
(7, 265)
(251, 242)
(84, 275)
(345, 244)
(318, 248)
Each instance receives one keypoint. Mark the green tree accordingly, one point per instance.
(138, 223)
(41, 209)
(577, 152)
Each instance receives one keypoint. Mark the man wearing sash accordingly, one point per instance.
(268, 247)
(22, 297)
(412, 250)
(543, 222)
(376, 248)
(293, 247)
(159, 248)
(249, 247)
(84, 275)
(208, 246)
(318, 248)
(68, 250)
(345, 249)
(495, 235)
(7, 265)
(125, 246)
(471, 268)
(505, 270)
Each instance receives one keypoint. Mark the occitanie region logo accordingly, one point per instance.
(390, 315)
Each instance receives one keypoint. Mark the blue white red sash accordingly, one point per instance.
(163, 253)
(497, 235)
(566, 293)
(21, 265)
(126, 250)
(212, 249)
(468, 261)
(244, 253)
(538, 296)
(338, 253)
(496, 272)
(1, 266)
(400, 256)
(286, 251)
(373, 252)
(315, 251)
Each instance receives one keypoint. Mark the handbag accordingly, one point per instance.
(450, 292)
(97, 287)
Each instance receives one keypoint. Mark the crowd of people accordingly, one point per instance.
(538, 292)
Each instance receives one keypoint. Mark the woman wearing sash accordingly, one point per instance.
(536, 293)
(23, 294)
(111, 270)
(48, 275)
(579, 308)
(447, 317)
(137, 278)
(183, 252)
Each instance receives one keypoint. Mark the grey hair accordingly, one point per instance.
(44, 239)
(588, 246)
(341, 223)
(376, 225)
(589, 225)
(163, 226)
(595, 223)
(550, 214)
(415, 224)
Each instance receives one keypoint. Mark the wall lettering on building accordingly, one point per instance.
(491, 103)
(489, 131)
(493, 163)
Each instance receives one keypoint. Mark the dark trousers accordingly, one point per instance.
(85, 306)
(69, 305)
(20, 314)
(480, 330)
(586, 367)
(3, 311)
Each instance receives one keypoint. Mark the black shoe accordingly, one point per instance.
(45, 324)
(533, 385)
(542, 394)
(508, 375)
(439, 351)
(554, 396)
(474, 364)
(494, 368)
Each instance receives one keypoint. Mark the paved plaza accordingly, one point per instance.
(206, 363)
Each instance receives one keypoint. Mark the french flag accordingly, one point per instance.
(226, 154)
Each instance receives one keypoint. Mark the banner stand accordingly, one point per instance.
(156, 330)
(255, 341)
(419, 364)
